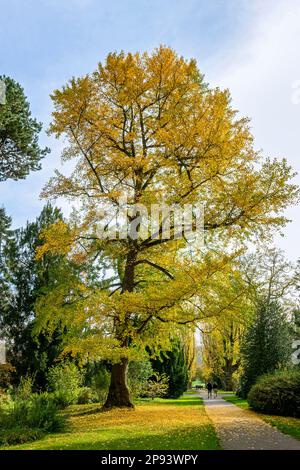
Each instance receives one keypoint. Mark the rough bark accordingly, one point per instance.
(118, 394)
(229, 370)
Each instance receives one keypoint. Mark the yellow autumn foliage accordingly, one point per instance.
(147, 127)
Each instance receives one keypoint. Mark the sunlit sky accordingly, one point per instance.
(249, 46)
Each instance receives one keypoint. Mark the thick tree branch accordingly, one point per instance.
(156, 266)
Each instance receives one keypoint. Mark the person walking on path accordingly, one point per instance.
(209, 390)
(215, 389)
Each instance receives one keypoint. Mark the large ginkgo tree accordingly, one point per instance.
(146, 129)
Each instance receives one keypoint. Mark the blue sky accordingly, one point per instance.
(249, 46)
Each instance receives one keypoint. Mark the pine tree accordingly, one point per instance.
(28, 278)
(174, 365)
(267, 343)
(19, 149)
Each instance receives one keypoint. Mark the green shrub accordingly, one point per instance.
(139, 372)
(87, 395)
(19, 435)
(5, 397)
(23, 420)
(25, 388)
(44, 414)
(277, 393)
(65, 380)
(100, 383)
(7, 372)
(157, 387)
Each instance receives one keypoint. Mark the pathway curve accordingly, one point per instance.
(240, 429)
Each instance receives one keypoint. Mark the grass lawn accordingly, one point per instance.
(198, 382)
(159, 424)
(241, 402)
(286, 425)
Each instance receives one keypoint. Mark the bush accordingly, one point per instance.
(23, 420)
(19, 435)
(139, 372)
(100, 384)
(43, 413)
(277, 393)
(87, 395)
(5, 397)
(6, 375)
(157, 387)
(25, 388)
(65, 380)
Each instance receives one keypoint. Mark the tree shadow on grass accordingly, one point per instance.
(185, 438)
(97, 408)
(85, 412)
(183, 401)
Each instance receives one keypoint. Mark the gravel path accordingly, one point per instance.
(240, 429)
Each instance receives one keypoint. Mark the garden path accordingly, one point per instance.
(240, 429)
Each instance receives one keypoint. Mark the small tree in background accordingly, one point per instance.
(173, 365)
(267, 344)
(221, 352)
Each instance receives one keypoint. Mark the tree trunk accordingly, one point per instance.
(228, 382)
(229, 370)
(118, 394)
